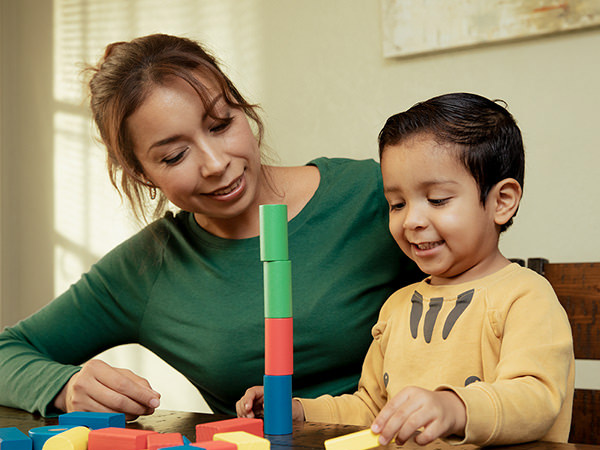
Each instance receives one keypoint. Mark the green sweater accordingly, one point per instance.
(196, 300)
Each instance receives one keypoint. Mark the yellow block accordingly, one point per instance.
(243, 440)
(72, 439)
(353, 441)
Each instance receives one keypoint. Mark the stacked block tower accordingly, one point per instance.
(279, 347)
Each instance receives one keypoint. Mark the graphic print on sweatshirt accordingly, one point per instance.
(435, 304)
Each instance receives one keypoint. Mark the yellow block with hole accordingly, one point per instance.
(72, 439)
(243, 440)
(354, 441)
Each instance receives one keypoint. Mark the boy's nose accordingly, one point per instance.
(414, 218)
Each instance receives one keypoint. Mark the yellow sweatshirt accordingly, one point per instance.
(503, 344)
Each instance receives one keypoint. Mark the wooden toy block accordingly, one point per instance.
(215, 445)
(119, 439)
(354, 441)
(40, 435)
(273, 232)
(162, 440)
(277, 289)
(93, 420)
(243, 440)
(278, 404)
(12, 438)
(206, 431)
(72, 439)
(279, 346)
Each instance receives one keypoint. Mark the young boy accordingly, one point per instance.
(481, 351)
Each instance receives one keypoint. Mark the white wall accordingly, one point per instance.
(316, 68)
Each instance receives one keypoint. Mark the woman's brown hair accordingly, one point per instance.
(123, 79)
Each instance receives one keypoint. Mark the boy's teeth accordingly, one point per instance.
(428, 245)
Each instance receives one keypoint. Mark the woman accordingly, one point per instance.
(189, 286)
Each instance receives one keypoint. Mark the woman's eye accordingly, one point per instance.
(170, 160)
(221, 125)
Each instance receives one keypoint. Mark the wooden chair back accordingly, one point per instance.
(577, 286)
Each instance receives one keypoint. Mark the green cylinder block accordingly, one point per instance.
(273, 233)
(278, 289)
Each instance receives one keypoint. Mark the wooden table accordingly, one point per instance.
(306, 436)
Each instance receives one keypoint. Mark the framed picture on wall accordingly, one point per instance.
(413, 27)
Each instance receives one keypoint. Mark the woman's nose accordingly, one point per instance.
(214, 162)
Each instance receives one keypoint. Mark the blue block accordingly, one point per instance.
(93, 420)
(278, 404)
(14, 439)
(40, 435)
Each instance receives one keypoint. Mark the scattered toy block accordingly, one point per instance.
(243, 440)
(279, 346)
(162, 440)
(40, 435)
(119, 439)
(360, 440)
(93, 420)
(215, 445)
(278, 404)
(206, 431)
(12, 438)
(72, 439)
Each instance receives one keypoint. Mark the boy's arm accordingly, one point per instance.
(533, 384)
(361, 407)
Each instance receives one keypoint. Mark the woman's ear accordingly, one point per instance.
(506, 196)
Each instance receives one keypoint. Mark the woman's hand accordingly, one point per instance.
(103, 388)
(440, 413)
(252, 404)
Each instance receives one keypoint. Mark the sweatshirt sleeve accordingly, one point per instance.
(359, 408)
(531, 337)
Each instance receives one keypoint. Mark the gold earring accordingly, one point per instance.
(152, 192)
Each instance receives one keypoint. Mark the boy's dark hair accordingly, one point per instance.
(489, 140)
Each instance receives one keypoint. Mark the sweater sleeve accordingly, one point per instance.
(529, 397)
(359, 408)
(41, 353)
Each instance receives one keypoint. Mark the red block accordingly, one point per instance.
(161, 440)
(279, 346)
(206, 431)
(118, 439)
(215, 445)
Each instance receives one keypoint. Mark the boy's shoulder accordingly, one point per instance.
(500, 289)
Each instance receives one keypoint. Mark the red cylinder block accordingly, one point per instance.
(279, 346)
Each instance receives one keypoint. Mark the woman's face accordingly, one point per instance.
(203, 165)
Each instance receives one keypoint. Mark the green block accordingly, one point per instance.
(273, 233)
(278, 289)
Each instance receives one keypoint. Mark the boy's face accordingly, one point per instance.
(436, 216)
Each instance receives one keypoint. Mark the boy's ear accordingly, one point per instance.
(506, 196)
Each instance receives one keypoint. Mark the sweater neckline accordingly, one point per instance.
(452, 290)
(293, 225)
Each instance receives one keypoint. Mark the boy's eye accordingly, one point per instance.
(396, 206)
(170, 160)
(438, 201)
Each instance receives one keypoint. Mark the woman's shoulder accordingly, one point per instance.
(346, 165)
(150, 242)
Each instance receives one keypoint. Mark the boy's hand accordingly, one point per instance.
(103, 388)
(252, 404)
(440, 413)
